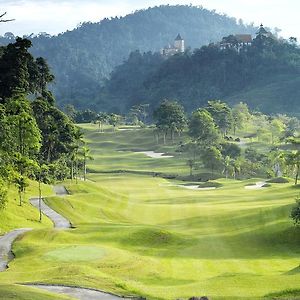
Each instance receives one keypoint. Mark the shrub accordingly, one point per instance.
(3, 196)
(278, 180)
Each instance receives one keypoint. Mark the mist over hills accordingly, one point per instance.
(83, 58)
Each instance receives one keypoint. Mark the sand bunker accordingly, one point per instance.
(190, 187)
(153, 154)
(256, 186)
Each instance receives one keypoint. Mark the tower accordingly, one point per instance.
(179, 43)
(262, 31)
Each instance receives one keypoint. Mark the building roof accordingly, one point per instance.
(244, 38)
(179, 38)
(262, 30)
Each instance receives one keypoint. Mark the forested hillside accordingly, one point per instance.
(266, 75)
(80, 59)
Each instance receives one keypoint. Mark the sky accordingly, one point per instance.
(34, 16)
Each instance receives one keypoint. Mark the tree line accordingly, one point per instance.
(37, 140)
(265, 74)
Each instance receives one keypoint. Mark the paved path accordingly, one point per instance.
(60, 190)
(6, 241)
(78, 293)
(58, 220)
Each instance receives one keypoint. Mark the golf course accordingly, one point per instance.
(138, 231)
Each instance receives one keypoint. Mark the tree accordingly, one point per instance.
(240, 114)
(85, 153)
(101, 119)
(21, 183)
(293, 159)
(170, 117)
(3, 195)
(221, 114)
(114, 120)
(202, 128)
(14, 69)
(295, 213)
(212, 158)
(5, 20)
(25, 133)
(231, 150)
(277, 128)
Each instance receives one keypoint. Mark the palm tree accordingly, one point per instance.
(85, 152)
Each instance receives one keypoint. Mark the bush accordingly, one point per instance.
(3, 196)
(295, 213)
(278, 180)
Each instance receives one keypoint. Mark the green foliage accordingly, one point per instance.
(295, 213)
(93, 50)
(3, 195)
(212, 73)
(202, 127)
(170, 118)
(221, 114)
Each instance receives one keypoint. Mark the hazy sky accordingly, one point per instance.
(34, 16)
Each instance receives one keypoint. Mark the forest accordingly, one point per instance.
(37, 140)
(264, 74)
(82, 58)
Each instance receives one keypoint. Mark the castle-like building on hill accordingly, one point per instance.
(240, 41)
(177, 47)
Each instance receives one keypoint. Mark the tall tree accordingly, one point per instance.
(170, 118)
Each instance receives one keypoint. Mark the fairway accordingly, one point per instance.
(138, 233)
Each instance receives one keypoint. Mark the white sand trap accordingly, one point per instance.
(127, 129)
(256, 186)
(153, 154)
(190, 187)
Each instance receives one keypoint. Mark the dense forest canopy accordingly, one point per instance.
(264, 74)
(80, 59)
(37, 140)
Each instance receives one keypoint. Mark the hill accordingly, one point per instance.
(80, 59)
(264, 74)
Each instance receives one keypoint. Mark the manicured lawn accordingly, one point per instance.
(141, 235)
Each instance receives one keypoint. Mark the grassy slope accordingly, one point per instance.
(26, 216)
(137, 235)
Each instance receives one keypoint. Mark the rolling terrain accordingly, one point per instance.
(139, 233)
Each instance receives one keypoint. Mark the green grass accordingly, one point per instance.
(140, 235)
(15, 216)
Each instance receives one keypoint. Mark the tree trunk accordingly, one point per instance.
(84, 169)
(297, 174)
(72, 170)
(20, 197)
(164, 138)
(40, 200)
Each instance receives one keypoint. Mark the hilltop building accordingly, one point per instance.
(178, 47)
(240, 41)
(236, 42)
(262, 32)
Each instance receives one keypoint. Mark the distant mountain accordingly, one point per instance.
(82, 58)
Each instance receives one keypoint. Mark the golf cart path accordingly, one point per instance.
(6, 242)
(59, 222)
(78, 293)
